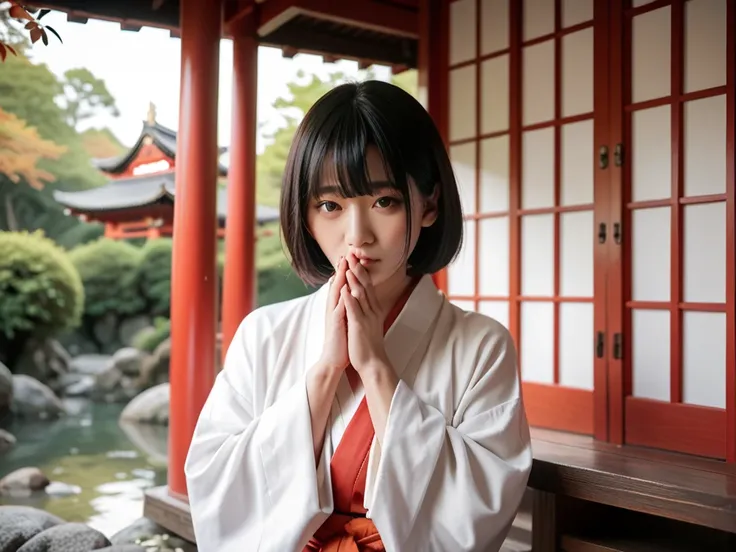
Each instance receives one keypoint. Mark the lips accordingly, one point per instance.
(364, 259)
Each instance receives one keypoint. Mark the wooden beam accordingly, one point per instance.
(366, 14)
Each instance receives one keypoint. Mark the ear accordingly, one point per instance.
(431, 210)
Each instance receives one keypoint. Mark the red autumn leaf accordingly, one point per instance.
(35, 35)
(3, 52)
(31, 25)
(9, 47)
(19, 13)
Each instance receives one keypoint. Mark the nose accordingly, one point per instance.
(359, 231)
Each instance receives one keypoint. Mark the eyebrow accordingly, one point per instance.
(376, 186)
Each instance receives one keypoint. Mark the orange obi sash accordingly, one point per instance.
(347, 529)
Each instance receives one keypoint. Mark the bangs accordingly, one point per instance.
(337, 161)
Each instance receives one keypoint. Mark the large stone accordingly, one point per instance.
(6, 388)
(33, 399)
(67, 537)
(150, 407)
(23, 482)
(19, 524)
(43, 359)
(90, 365)
(155, 369)
(7, 441)
(129, 361)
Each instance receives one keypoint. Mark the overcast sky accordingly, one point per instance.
(142, 67)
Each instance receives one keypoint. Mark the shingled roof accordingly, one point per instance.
(164, 138)
(142, 191)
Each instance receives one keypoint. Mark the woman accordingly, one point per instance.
(372, 414)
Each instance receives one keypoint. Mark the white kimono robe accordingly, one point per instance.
(456, 455)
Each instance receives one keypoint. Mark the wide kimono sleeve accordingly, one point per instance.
(455, 484)
(251, 476)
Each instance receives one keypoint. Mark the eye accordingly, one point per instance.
(386, 202)
(328, 206)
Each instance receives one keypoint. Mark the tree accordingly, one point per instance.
(21, 149)
(101, 142)
(85, 96)
(33, 93)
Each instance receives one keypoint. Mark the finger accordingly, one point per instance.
(352, 306)
(337, 282)
(365, 279)
(340, 312)
(358, 291)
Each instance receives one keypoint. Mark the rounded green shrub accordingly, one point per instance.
(149, 338)
(41, 290)
(109, 272)
(155, 275)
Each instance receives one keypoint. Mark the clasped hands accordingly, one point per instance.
(354, 325)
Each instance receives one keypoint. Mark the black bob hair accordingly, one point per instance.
(338, 129)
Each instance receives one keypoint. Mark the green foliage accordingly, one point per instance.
(25, 208)
(109, 271)
(41, 291)
(85, 95)
(155, 275)
(33, 93)
(147, 340)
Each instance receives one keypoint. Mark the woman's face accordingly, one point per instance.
(372, 227)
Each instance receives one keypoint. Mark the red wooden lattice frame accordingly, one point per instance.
(670, 425)
(548, 405)
(610, 412)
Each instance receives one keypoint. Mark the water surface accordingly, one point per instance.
(99, 470)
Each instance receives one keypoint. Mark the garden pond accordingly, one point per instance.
(98, 467)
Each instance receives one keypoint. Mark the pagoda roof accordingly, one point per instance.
(162, 137)
(143, 191)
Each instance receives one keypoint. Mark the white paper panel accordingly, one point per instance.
(537, 255)
(705, 146)
(578, 164)
(495, 94)
(650, 278)
(651, 54)
(539, 83)
(539, 18)
(577, 73)
(494, 256)
(705, 44)
(704, 253)
(651, 354)
(651, 172)
(462, 31)
(494, 166)
(463, 163)
(577, 234)
(576, 345)
(462, 103)
(498, 310)
(461, 273)
(537, 342)
(704, 358)
(538, 168)
(465, 305)
(495, 21)
(576, 11)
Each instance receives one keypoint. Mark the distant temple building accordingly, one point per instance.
(138, 201)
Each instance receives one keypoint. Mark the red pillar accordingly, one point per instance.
(193, 278)
(433, 74)
(239, 279)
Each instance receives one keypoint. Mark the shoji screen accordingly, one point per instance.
(521, 134)
(677, 83)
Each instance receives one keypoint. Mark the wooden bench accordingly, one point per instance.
(592, 496)
(587, 496)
